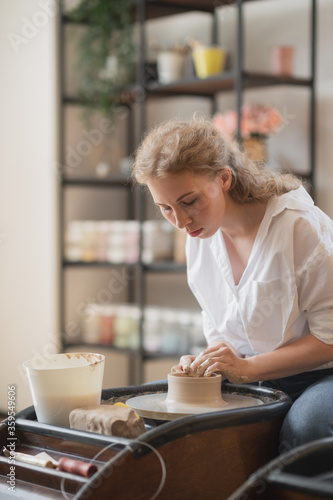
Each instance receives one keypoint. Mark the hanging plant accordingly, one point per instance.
(106, 55)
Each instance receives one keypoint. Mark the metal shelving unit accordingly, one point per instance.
(237, 80)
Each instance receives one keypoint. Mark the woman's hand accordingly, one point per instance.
(184, 364)
(222, 359)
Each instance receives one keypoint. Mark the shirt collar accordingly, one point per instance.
(297, 199)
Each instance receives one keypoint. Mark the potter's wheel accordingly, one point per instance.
(154, 406)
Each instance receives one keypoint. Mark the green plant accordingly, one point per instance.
(108, 33)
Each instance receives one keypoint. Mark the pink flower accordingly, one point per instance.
(226, 123)
(257, 119)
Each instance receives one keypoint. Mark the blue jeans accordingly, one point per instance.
(311, 414)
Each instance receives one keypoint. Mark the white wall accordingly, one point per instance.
(28, 189)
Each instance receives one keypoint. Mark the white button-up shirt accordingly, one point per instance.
(286, 290)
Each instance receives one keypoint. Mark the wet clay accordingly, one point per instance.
(107, 420)
(194, 391)
(91, 358)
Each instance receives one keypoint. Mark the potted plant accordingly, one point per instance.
(258, 121)
(106, 55)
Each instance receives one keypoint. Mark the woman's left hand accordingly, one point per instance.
(222, 359)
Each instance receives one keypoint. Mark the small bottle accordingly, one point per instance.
(103, 229)
(116, 242)
(107, 327)
(91, 324)
(89, 247)
(184, 319)
(197, 338)
(134, 331)
(122, 326)
(132, 232)
(166, 242)
(73, 241)
(152, 327)
(150, 236)
(170, 337)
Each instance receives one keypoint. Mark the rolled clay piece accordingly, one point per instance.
(108, 420)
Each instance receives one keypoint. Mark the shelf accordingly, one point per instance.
(125, 99)
(164, 267)
(149, 355)
(155, 267)
(221, 83)
(67, 263)
(206, 87)
(125, 350)
(161, 8)
(114, 181)
(156, 8)
(254, 79)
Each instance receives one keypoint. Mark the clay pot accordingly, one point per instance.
(255, 149)
(282, 60)
(202, 392)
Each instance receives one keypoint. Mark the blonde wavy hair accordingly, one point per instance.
(197, 146)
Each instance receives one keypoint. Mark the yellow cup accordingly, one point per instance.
(208, 61)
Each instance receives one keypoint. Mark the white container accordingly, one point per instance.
(91, 324)
(197, 338)
(152, 327)
(62, 382)
(89, 241)
(158, 241)
(73, 241)
(116, 242)
(132, 233)
(170, 66)
(122, 327)
(171, 332)
(184, 320)
(134, 334)
(103, 229)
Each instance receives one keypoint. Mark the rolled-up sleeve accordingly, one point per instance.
(314, 276)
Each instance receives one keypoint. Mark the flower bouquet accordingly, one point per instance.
(258, 121)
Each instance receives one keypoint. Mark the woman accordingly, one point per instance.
(260, 264)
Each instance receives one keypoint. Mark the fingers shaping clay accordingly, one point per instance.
(108, 420)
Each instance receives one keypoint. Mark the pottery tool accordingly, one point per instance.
(65, 464)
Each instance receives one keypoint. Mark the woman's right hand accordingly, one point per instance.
(184, 364)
